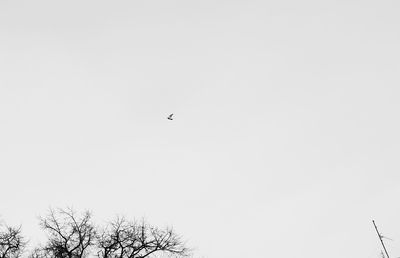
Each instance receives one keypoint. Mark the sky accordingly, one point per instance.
(285, 141)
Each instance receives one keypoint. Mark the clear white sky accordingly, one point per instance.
(286, 136)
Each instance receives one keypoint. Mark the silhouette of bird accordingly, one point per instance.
(170, 117)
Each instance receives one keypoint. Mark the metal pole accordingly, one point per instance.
(380, 238)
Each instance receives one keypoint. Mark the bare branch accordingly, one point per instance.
(69, 235)
(125, 239)
(12, 243)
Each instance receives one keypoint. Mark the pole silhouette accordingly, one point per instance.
(380, 238)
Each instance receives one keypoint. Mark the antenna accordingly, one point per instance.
(380, 238)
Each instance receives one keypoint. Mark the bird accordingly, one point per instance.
(170, 117)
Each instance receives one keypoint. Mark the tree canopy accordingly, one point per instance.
(74, 235)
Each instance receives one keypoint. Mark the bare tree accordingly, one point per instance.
(40, 253)
(69, 235)
(12, 242)
(123, 239)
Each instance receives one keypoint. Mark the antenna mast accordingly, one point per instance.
(380, 238)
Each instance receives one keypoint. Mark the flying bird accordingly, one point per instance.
(170, 117)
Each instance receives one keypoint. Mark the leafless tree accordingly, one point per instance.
(40, 253)
(12, 242)
(123, 239)
(70, 235)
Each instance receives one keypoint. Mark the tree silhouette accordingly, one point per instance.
(12, 242)
(69, 234)
(73, 235)
(124, 239)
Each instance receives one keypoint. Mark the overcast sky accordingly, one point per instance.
(285, 141)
